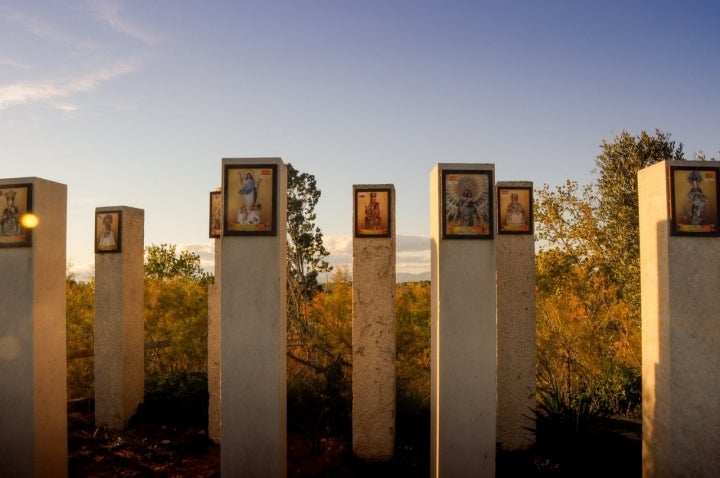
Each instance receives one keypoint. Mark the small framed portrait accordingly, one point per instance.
(467, 204)
(108, 231)
(216, 218)
(372, 212)
(694, 201)
(17, 215)
(514, 210)
(249, 193)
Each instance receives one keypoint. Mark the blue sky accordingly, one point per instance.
(135, 102)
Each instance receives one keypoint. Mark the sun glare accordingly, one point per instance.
(29, 220)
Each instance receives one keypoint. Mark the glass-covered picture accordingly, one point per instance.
(17, 217)
(467, 204)
(249, 199)
(372, 212)
(216, 219)
(108, 231)
(694, 201)
(515, 210)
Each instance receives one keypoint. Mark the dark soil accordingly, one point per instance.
(148, 448)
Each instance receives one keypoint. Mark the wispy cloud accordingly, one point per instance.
(338, 245)
(413, 243)
(15, 64)
(40, 28)
(53, 93)
(110, 12)
(412, 252)
(412, 259)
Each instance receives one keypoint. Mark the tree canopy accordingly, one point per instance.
(588, 276)
(163, 261)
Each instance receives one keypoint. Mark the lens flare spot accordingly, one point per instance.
(29, 220)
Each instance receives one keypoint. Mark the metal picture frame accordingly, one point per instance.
(515, 210)
(17, 208)
(694, 193)
(215, 217)
(250, 199)
(467, 204)
(108, 231)
(372, 212)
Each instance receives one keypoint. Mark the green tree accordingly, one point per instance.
(80, 320)
(319, 374)
(412, 309)
(588, 277)
(617, 166)
(175, 325)
(175, 310)
(305, 251)
(164, 262)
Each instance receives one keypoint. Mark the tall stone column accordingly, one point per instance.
(253, 318)
(463, 365)
(33, 366)
(679, 264)
(214, 348)
(373, 331)
(515, 316)
(119, 314)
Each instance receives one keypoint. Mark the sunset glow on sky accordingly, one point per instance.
(135, 103)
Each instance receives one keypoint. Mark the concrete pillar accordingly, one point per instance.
(463, 365)
(33, 367)
(214, 420)
(253, 320)
(515, 316)
(680, 329)
(373, 331)
(119, 311)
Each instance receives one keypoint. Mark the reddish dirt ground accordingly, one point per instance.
(149, 449)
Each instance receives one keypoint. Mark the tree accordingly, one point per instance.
(588, 277)
(320, 346)
(617, 166)
(80, 313)
(175, 325)
(412, 310)
(305, 250)
(164, 262)
(175, 309)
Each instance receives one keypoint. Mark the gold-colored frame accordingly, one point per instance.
(249, 199)
(515, 210)
(372, 212)
(694, 196)
(216, 217)
(467, 204)
(108, 231)
(16, 200)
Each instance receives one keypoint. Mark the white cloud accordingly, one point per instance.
(412, 243)
(110, 12)
(40, 28)
(412, 258)
(15, 64)
(412, 253)
(340, 245)
(52, 92)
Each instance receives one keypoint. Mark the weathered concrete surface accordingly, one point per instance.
(680, 335)
(463, 343)
(373, 341)
(515, 336)
(33, 367)
(254, 350)
(119, 324)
